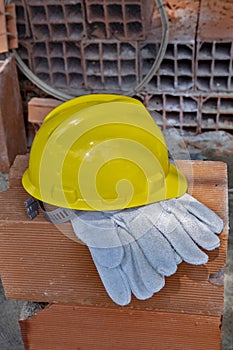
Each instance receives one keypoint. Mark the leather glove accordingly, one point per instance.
(119, 261)
(184, 222)
(133, 249)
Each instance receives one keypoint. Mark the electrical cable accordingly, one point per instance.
(61, 95)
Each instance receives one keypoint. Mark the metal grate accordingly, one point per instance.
(177, 68)
(121, 19)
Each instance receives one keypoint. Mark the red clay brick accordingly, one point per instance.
(12, 130)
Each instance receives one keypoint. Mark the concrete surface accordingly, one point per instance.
(182, 145)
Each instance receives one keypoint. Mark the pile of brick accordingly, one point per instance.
(109, 46)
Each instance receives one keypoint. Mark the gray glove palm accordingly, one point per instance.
(133, 249)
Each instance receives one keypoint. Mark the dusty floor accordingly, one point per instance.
(207, 146)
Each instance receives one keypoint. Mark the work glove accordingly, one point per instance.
(133, 249)
(122, 266)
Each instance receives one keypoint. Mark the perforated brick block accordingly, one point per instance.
(97, 65)
(176, 72)
(173, 110)
(214, 67)
(121, 19)
(217, 112)
(110, 65)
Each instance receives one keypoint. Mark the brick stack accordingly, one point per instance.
(109, 46)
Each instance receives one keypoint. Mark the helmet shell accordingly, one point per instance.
(101, 152)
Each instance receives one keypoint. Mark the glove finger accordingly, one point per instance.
(200, 233)
(115, 283)
(128, 265)
(151, 279)
(137, 286)
(96, 236)
(178, 258)
(202, 212)
(184, 245)
(159, 252)
(108, 257)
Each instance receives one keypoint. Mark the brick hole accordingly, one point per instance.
(210, 105)
(189, 105)
(208, 121)
(173, 118)
(226, 105)
(60, 80)
(203, 83)
(127, 51)
(166, 82)
(155, 102)
(92, 51)
(38, 14)
(21, 30)
(44, 77)
(172, 103)
(55, 13)
(76, 80)
(93, 67)
(183, 51)
(41, 64)
(184, 66)
(23, 52)
(111, 83)
(94, 82)
(146, 65)
(75, 30)
(148, 51)
(204, 67)
(58, 31)
(39, 49)
(225, 121)
(74, 64)
(96, 12)
(185, 82)
(98, 30)
(57, 64)
(167, 67)
(20, 13)
(110, 67)
(117, 29)
(153, 83)
(114, 12)
(205, 50)
(128, 67)
(74, 13)
(41, 32)
(133, 12)
(109, 51)
(189, 119)
(221, 67)
(134, 29)
(128, 81)
(169, 52)
(231, 84)
(220, 83)
(55, 49)
(222, 50)
(72, 50)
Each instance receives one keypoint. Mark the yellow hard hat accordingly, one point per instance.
(101, 152)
